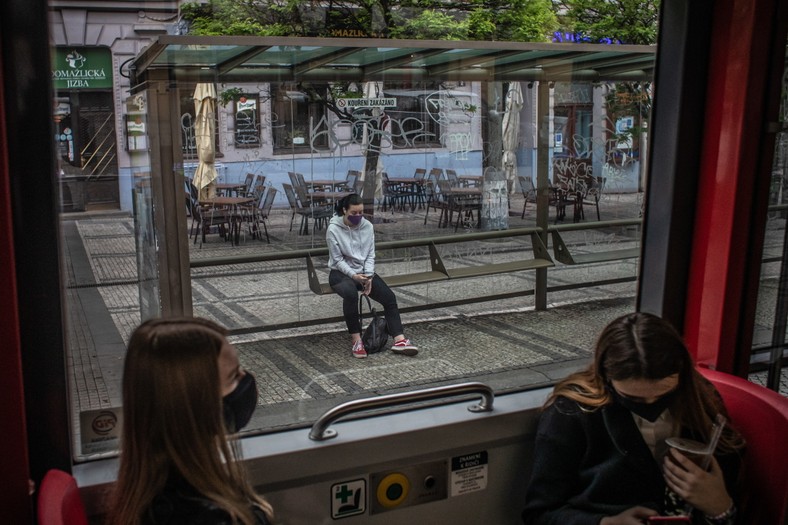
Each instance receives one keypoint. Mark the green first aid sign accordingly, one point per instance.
(82, 68)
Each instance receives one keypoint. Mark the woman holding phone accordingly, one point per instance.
(600, 455)
(351, 249)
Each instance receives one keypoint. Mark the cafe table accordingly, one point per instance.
(471, 180)
(233, 203)
(223, 188)
(314, 184)
(415, 186)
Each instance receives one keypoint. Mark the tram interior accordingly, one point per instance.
(525, 286)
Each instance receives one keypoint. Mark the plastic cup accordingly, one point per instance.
(696, 451)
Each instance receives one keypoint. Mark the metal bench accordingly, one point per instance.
(563, 255)
(437, 273)
(438, 270)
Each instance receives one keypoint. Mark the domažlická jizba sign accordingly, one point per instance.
(82, 68)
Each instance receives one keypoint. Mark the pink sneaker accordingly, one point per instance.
(405, 347)
(358, 350)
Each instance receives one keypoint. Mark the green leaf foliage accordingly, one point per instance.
(519, 20)
(623, 21)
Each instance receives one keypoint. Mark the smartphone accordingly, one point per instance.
(668, 519)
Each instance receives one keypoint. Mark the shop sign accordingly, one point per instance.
(82, 68)
(343, 103)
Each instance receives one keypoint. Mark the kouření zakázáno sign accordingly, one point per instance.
(343, 103)
(82, 68)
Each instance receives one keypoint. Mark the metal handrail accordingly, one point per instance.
(321, 432)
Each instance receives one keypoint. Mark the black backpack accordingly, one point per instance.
(376, 335)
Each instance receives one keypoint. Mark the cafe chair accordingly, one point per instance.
(396, 195)
(594, 193)
(454, 179)
(248, 184)
(258, 188)
(761, 416)
(260, 214)
(529, 191)
(204, 218)
(433, 199)
(59, 502)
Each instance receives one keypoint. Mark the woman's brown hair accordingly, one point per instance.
(644, 346)
(173, 423)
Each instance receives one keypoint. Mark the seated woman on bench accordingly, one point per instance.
(351, 248)
(600, 455)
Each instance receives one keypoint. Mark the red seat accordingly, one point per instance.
(761, 415)
(59, 502)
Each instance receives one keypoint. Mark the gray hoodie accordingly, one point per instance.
(351, 250)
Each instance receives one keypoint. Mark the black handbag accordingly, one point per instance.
(376, 336)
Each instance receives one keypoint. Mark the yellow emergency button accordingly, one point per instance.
(392, 490)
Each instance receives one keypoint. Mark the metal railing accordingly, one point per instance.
(425, 241)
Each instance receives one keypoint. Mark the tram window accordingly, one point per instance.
(771, 329)
(484, 326)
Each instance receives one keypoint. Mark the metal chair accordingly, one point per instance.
(594, 193)
(529, 191)
(261, 212)
(248, 184)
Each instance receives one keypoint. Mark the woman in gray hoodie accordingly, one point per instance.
(351, 249)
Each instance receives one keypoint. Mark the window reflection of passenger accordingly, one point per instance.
(600, 454)
(184, 395)
(351, 249)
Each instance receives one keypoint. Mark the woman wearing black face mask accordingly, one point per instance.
(184, 397)
(600, 454)
(351, 249)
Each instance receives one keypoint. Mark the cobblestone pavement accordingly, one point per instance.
(303, 371)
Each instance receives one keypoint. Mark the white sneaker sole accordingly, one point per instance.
(409, 351)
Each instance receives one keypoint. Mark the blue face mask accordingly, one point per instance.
(355, 220)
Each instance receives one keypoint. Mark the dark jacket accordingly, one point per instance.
(592, 464)
(180, 504)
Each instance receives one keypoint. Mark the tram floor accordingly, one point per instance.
(302, 372)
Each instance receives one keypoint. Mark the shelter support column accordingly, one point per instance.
(167, 187)
(542, 183)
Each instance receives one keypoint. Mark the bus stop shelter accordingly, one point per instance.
(172, 61)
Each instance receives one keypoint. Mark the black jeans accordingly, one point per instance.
(348, 289)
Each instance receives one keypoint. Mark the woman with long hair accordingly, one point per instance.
(600, 455)
(185, 396)
(351, 249)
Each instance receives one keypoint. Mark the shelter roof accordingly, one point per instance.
(239, 59)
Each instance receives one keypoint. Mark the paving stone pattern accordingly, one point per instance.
(303, 371)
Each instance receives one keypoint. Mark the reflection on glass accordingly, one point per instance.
(449, 171)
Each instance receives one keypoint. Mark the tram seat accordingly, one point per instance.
(761, 415)
(59, 501)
